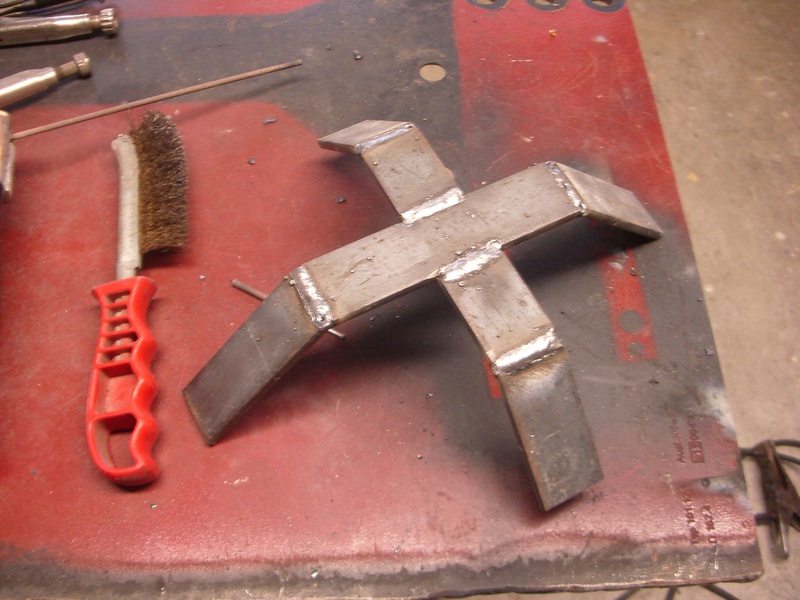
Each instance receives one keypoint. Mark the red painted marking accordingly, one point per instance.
(495, 391)
(627, 306)
(149, 9)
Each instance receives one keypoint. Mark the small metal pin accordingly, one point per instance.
(248, 289)
(241, 286)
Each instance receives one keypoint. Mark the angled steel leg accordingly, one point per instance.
(254, 357)
(528, 359)
(457, 239)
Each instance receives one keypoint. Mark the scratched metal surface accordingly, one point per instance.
(384, 465)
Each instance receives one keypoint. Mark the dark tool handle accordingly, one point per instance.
(122, 386)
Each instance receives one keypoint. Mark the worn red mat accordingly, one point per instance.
(383, 465)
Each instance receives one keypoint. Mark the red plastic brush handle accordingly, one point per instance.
(119, 426)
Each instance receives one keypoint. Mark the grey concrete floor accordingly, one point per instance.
(726, 77)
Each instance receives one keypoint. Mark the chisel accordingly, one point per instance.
(120, 427)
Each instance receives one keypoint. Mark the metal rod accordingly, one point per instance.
(157, 98)
(720, 592)
(247, 289)
(335, 333)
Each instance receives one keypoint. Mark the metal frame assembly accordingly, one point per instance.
(458, 240)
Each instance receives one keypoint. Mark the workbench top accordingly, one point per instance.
(384, 464)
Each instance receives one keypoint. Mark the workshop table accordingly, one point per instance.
(384, 464)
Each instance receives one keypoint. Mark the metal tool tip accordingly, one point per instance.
(109, 23)
(83, 63)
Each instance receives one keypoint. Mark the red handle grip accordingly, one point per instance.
(120, 429)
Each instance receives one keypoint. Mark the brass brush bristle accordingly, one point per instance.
(163, 217)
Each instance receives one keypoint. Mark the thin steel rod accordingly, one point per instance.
(790, 443)
(790, 459)
(152, 99)
(720, 592)
(247, 289)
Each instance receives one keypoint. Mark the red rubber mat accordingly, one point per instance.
(383, 465)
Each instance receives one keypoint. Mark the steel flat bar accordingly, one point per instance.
(253, 358)
(459, 240)
(518, 339)
(386, 264)
(383, 265)
(404, 163)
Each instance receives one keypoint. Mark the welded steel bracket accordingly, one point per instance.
(457, 239)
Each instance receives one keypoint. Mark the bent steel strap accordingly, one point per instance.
(457, 239)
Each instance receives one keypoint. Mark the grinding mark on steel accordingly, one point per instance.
(554, 433)
(256, 339)
(405, 169)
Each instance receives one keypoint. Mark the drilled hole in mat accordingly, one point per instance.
(490, 4)
(432, 72)
(548, 4)
(605, 5)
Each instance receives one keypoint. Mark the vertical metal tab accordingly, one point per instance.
(402, 160)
